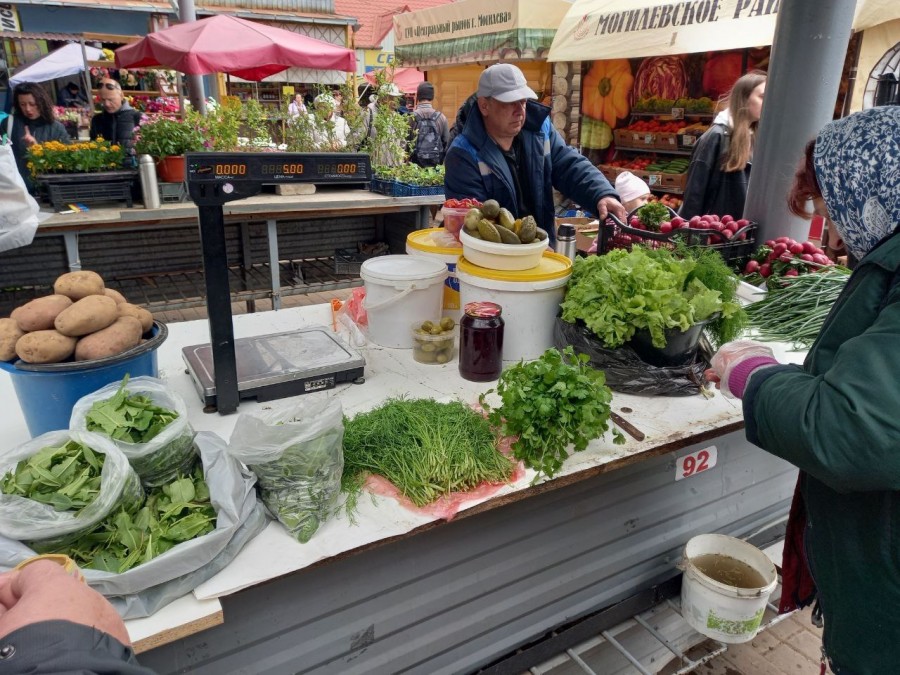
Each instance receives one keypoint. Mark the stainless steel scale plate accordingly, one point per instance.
(279, 365)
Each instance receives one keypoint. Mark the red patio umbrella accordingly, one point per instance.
(226, 44)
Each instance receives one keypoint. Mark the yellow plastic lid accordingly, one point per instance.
(422, 240)
(552, 266)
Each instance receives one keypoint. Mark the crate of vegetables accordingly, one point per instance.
(655, 225)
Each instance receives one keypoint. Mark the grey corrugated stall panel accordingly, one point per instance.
(462, 594)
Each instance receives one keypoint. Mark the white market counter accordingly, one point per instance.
(399, 591)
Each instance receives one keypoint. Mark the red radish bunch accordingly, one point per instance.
(721, 229)
(785, 257)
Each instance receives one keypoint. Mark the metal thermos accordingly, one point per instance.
(565, 241)
(149, 187)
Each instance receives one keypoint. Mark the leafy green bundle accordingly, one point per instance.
(158, 443)
(171, 514)
(300, 487)
(550, 403)
(66, 477)
(425, 448)
(620, 292)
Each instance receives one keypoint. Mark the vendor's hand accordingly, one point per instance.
(729, 357)
(611, 205)
(44, 591)
(28, 139)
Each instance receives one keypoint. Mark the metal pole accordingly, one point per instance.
(195, 82)
(811, 38)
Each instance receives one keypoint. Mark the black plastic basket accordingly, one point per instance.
(350, 260)
(616, 234)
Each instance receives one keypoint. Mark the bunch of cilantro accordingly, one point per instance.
(623, 291)
(551, 403)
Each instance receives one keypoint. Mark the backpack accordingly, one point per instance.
(429, 150)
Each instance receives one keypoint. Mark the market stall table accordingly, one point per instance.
(400, 591)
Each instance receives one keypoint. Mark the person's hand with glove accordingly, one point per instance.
(733, 364)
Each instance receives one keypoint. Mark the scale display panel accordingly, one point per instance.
(278, 167)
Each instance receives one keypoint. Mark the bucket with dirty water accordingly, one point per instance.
(727, 583)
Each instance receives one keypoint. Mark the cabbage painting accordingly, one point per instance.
(661, 76)
(607, 91)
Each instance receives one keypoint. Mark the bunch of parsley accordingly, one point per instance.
(549, 404)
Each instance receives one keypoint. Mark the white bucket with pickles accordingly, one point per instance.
(492, 238)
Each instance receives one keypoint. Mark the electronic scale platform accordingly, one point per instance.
(264, 367)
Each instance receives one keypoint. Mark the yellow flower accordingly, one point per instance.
(115, 148)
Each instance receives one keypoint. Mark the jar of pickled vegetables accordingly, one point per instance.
(481, 342)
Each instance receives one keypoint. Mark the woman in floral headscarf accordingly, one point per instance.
(838, 416)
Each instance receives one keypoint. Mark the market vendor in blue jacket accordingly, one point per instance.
(510, 152)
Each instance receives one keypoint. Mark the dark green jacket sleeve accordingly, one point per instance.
(65, 648)
(841, 425)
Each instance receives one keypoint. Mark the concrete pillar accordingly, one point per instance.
(811, 38)
(196, 92)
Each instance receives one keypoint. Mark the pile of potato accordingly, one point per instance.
(82, 318)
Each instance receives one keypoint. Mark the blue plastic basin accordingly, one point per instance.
(48, 392)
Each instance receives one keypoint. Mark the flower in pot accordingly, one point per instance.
(166, 140)
(54, 157)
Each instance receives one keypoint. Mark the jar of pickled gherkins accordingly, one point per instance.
(481, 342)
(434, 341)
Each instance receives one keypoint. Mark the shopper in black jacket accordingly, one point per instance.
(51, 622)
(33, 122)
(720, 166)
(117, 121)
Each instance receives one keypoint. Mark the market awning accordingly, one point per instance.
(614, 29)
(67, 60)
(472, 30)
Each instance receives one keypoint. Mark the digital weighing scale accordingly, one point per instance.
(271, 366)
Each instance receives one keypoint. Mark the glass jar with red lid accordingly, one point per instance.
(481, 342)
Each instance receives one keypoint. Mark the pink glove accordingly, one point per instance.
(735, 361)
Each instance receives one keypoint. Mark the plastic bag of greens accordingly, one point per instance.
(147, 422)
(151, 584)
(58, 486)
(297, 455)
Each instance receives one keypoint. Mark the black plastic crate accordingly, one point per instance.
(615, 234)
(172, 193)
(89, 188)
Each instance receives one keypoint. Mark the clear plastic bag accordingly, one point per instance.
(297, 455)
(165, 456)
(44, 528)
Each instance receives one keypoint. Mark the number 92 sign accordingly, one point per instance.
(696, 462)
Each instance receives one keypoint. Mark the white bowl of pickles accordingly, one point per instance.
(434, 341)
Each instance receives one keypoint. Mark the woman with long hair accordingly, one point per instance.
(720, 165)
(33, 121)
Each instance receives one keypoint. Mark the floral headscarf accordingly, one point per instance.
(857, 162)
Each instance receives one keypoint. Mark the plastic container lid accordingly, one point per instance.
(552, 266)
(401, 268)
(422, 240)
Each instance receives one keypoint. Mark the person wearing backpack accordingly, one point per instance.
(432, 131)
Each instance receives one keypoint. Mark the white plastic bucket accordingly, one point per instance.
(718, 609)
(530, 300)
(401, 289)
(433, 243)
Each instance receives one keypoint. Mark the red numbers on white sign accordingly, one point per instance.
(696, 462)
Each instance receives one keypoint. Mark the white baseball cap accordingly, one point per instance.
(505, 83)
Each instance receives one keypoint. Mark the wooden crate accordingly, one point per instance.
(582, 241)
(666, 140)
(609, 171)
(675, 181)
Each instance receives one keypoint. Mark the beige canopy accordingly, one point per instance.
(473, 30)
(611, 29)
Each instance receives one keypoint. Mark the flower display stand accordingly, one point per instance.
(88, 188)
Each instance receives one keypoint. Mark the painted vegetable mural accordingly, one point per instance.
(606, 92)
(661, 76)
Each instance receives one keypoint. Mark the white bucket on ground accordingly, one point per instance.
(718, 609)
(400, 290)
(434, 243)
(530, 300)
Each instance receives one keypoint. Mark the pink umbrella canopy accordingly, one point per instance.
(226, 44)
(406, 79)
